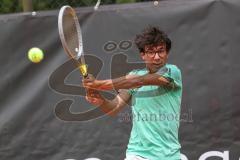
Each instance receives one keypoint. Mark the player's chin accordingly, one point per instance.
(156, 67)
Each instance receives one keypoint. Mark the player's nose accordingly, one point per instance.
(157, 56)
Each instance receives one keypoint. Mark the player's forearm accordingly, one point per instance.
(132, 81)
(107, 104)
(109, 107)
(125, 82)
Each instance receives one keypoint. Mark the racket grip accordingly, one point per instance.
(89, 91)
(85, 76)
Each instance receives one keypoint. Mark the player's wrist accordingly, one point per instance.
(105, 102)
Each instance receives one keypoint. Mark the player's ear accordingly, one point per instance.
(142, 55)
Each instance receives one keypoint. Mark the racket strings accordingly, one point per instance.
(70, 33)
(71, 37)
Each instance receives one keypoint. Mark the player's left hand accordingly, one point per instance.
(94, 97)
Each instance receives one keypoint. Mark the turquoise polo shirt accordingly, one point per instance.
(156, 116)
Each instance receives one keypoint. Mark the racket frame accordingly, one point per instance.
(80, 55)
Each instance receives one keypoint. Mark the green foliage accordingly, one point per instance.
(11, 6)
(125, 1)
(8, 6)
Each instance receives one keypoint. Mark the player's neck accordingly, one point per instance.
(154, 70)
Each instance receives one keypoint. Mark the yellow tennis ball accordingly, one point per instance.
(35, 55)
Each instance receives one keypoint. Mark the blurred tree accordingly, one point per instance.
(11, 6)
(27, 5)
(125, 1)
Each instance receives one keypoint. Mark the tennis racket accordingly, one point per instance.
(71, 37)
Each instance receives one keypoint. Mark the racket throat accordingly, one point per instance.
(83, 69)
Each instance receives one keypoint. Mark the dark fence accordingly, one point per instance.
(35, 121)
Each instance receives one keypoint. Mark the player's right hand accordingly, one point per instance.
(90, 82)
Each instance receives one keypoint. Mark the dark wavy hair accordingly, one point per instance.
(152, 36)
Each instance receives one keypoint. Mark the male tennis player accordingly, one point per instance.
(155, 92)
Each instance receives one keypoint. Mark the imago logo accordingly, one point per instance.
(86, 159)
(211, 154)
(224, 155)
(111, 46)
(58, 85)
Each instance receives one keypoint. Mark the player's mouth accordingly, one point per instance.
(157, 64)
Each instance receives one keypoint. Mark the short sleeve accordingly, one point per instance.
(173, 74)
